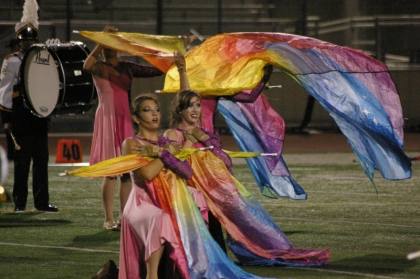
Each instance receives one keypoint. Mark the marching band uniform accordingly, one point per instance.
(30, 131)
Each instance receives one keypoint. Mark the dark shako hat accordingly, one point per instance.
(27, 28)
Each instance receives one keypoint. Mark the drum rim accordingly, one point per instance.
(62, 82)
(23, 90)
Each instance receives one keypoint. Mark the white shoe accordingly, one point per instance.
(110, 226)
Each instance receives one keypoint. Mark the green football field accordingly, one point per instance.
(369, 234)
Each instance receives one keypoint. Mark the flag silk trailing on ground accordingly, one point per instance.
(354, 88)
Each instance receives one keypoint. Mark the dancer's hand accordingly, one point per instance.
(172, 147)
(8, 127)
(200, 135)
(187, 40)
(152, 151)
(179, 61)
(189, 136)
(110, 29)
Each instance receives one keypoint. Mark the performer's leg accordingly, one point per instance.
(23, 132)
(108, 193)
(216, 231)
(10, 147)
(124, 192)
(152, 263)
(40, 170)
(22, 164)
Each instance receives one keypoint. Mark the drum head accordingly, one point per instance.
(40, 81)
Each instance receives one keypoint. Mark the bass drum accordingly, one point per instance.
(52, 80)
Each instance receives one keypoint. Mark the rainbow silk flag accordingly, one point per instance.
(355, 89)
(256, 126)
(253, 236)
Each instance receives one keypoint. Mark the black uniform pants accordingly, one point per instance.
(31, 133)
(10, 147)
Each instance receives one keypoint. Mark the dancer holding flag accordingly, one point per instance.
(113, 79)
(253, 236)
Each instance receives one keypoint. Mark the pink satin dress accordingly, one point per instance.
(146, 228)
(112, 118)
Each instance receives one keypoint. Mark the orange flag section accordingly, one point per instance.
(158, 50)
(111, 167)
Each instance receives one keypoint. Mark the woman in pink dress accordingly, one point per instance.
(147, 229)
(113, 79)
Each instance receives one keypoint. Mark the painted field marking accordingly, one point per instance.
(347, 272)
(59, 247)
(346, 222)
(117, 252)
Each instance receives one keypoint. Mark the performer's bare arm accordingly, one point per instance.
(90, 65)
(147, 172)
(180, 63)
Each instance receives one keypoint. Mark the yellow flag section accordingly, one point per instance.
(158, 50)
(127, 163)
(111, 167)
(240, 154)
(220, 66)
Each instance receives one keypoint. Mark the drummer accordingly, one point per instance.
(13, 46)
(30, 132)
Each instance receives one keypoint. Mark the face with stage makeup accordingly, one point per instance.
(186, 109)
(146, 112)
(192, 113)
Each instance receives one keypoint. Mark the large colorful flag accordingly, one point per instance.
(354, 88)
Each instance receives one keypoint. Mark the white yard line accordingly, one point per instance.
(346, 222)
(346, 272)
(117, 252)
(82, 164)
(59, 247)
